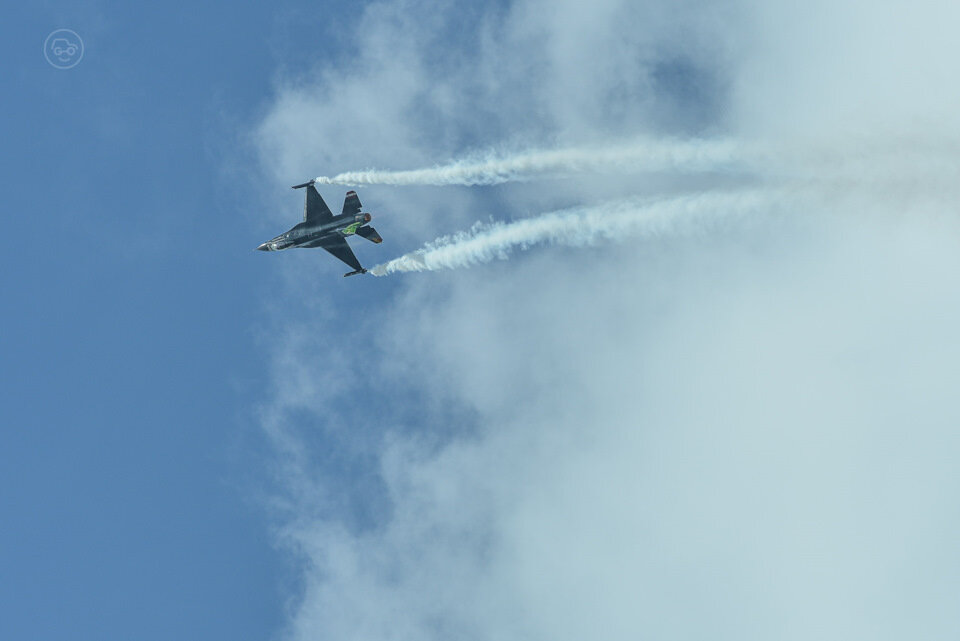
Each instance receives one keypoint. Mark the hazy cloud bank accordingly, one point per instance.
(743, 434)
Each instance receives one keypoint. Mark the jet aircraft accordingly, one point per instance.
(320, 228)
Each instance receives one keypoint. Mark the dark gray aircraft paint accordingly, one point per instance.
(320, 228)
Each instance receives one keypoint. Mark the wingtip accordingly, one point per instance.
(306, 184)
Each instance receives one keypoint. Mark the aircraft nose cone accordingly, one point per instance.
(264, 247)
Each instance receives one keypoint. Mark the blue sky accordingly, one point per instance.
(742, 429)
(132, 305)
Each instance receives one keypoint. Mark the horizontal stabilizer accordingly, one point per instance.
(306, 184)
(370, 234)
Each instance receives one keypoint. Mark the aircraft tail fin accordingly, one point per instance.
(351, 204)
(370, 234)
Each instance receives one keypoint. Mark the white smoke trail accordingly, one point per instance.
(578, 227)
(493, 168)
(920, 172)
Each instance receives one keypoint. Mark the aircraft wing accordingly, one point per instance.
(314, 209)
(337, 245)
(351, 204)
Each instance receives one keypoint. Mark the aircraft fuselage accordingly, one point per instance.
(307, 235)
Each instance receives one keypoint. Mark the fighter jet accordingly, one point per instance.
(320, 228)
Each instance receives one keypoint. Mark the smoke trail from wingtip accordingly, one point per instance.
(493, 168)
(926, 173)
(582, 226)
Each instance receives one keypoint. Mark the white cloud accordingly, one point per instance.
(743, 434)
(710, 439)
(824, 69)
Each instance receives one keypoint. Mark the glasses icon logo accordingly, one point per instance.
(63, 49)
